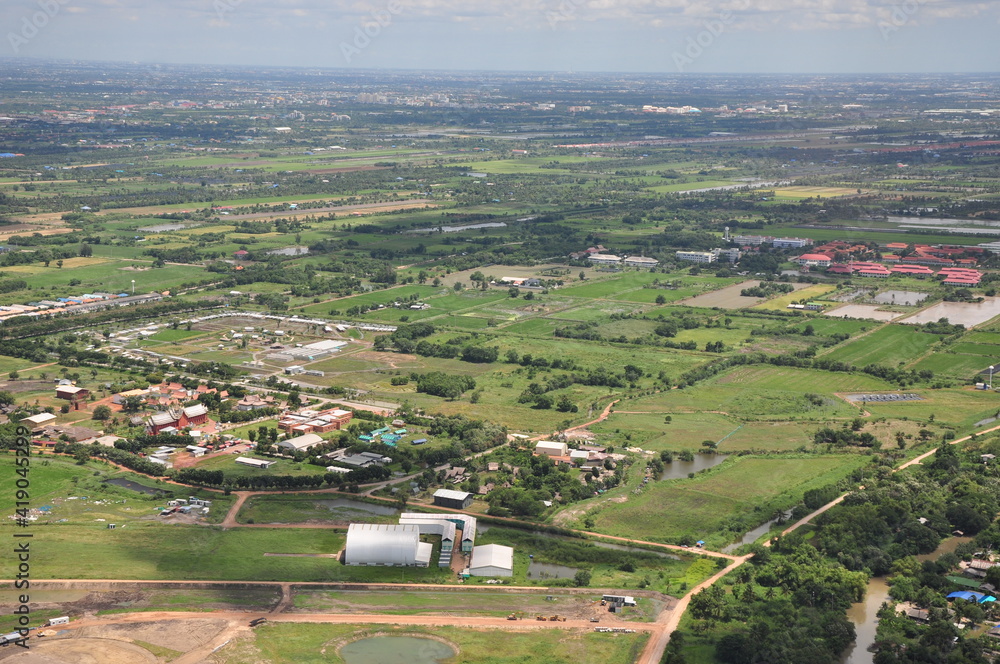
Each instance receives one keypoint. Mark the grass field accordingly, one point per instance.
(889, 344)
(291, 643)
(155, 551)
(776, 393)
(313, 507)
(701, 507)
(686, 431)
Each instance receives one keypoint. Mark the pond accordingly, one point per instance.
(965, 313)
(135, 486)
(550, 571)
(754, 534)
(162, 228)
(680, 469)
(909, 298)
(346, 507)
(396, 650)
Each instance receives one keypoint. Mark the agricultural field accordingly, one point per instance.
(701, 507)
(896, 343)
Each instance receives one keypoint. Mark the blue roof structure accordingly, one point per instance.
(970, 596)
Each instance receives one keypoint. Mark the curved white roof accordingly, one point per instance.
(381, 544)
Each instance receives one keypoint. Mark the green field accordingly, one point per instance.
(704, 506)
(889, 344)
(154, 551)
(291, 643)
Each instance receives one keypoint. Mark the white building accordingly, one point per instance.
(790, 242)
(604, 259)
(816, 260)
(301, 443)
(732, 255)
(385, 544)
(550, 448)
(492, 560)
(696, 256)
(263, 464)
(641, 261)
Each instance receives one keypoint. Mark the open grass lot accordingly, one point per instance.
(958, 407)
(55, 479)
(769, 436)
(825, 326)
(176, 335)
(616, 285)
(299, 508)
(799, 192)
(155, 551)
(949, 365)
(700, 507)
(777, 394)
(801, 380)
(686, 431)
(889, 344)
(291, 643)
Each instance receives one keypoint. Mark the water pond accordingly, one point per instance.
(550, 571)
(396, 650)
(680, 469)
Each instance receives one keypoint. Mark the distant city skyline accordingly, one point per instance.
(654, 36)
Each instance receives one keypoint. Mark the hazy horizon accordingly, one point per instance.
(628, 36)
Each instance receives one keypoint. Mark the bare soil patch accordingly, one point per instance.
(79, 650)
(180, 635)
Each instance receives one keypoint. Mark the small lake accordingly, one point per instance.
(680, 469)
(135, 486)
(965, 313)
(908, 298)
(162, 228)
(396, 650)
(345, 507)
(550, 571)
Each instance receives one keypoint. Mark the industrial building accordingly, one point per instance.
(301, 443)
(492, 560)
(385, 544)
(263, 464)
(315, 421)
(550, 448)
(446, 526)
(458, 500)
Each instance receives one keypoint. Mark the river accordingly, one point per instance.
(864, 614)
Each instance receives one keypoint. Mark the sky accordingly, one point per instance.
(656, 36)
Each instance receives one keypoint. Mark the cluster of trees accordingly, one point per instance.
(767, 289)
(787, 606)
(444, 385)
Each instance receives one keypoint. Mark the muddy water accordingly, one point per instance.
(966, 313)
(680, 469)
(752, 536)
(863, 614)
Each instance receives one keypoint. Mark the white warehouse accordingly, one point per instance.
(383, 544)
(492, 560)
